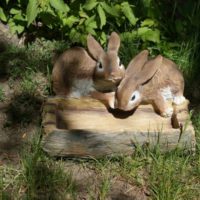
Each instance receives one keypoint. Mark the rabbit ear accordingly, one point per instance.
(114, 42)
(136, 64)
(94, 47)
(149, 70)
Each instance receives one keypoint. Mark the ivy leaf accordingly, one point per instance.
(2, 15)
(102, 16)
(126, 9)
(90, 4)
(32, 11)
(60, 5)
(110, 10)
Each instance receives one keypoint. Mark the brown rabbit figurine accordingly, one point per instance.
(157, 81)
(79, 73)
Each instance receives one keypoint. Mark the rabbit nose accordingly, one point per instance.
(115, 78)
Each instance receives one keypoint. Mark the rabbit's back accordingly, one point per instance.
(73, 70)
(168, 80)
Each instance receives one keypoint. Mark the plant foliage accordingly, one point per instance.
(74, 19)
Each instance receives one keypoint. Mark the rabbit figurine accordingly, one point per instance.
(78, 72)
(157, 81)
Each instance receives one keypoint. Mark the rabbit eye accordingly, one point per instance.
(99, 66)
(133, 98)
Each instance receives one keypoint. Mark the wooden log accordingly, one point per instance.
(84, 127)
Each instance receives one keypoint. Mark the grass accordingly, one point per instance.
(37, 177)
(173, 175)
(164, 176)
(2, 95)
(43, 178)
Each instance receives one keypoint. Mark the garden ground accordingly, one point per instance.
(26, 172)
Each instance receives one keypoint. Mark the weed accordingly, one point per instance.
(104, 188)
(28, 84)
(3, 194)
(2, 95)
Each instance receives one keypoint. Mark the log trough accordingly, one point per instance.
(86, 128)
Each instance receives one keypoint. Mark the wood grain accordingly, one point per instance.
(85, 127)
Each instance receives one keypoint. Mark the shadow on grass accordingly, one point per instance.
(24, 109)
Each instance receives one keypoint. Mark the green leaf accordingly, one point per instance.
(2, 15)
(60, 5)
(15, 28)
(148, 34)
(126, 9)
(69, 21)
(32, 11)
(19, 29)
(19, 17)
(90, 25)
(102, 16)
(90, 4)
(103, 38)
(81, 21)
(148, 22)
(14, 11)
(143, 30)
(83, 14)
(90, 20)
(90, 30)
(110, 10)
(48, 19)
(74, 35)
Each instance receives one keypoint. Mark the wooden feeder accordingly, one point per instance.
(85, 127)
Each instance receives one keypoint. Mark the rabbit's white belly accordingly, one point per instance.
(167, 94)
(81, 87)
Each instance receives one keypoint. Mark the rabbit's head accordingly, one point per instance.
(139, 72)
(109, 68)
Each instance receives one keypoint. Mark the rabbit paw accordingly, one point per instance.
(167, 113)
(111, 100)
